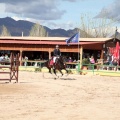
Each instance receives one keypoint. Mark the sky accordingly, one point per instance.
(64, 14)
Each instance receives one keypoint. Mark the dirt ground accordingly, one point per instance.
(76, 97)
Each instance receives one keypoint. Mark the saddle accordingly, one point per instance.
(51, 62)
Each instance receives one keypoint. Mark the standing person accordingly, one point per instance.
(25, 59)
(56, 53)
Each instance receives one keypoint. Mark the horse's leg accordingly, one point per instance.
(66, 72)
(55, 72)
(50, 71)
(61, 72)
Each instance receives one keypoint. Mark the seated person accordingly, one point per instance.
(70, 59)
(115, 62)
(92, 61)
(2, 58)
(6, 57)
(110, 59)
(74, 59)
(105, 62)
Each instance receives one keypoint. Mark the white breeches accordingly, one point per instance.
(54, 58)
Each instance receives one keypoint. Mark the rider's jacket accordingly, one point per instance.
(56, 52)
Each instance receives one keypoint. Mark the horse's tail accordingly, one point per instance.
(45, 63)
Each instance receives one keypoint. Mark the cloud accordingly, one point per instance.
(67, 25)
(45, 12)
(2, 8)
(38, 9)
(51, 24)
(73, 0)
(70, 0)
(111, 11)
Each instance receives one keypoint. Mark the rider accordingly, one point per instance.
(56, 53)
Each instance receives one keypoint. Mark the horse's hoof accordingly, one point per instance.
(67, 75)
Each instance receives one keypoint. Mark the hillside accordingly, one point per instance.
(17, 27)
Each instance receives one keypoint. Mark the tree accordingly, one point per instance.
(38, 31)
(96, 27)
(5, 32)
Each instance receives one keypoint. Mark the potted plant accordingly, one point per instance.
(85, 63)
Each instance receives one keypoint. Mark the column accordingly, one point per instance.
(101, 56)
(49, 54)
(81, 54)
(20, 58)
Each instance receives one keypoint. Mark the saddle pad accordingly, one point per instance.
(51, 62)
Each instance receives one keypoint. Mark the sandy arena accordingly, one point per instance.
(76, 97)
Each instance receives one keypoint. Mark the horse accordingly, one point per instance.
(58, 65)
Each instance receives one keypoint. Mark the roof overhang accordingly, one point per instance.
(45, 42)
(54, 39)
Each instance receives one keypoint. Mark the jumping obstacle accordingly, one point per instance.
(13, 67)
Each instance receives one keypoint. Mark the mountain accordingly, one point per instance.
(17, 27)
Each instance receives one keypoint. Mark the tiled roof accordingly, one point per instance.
(43, 42)
(54, 39)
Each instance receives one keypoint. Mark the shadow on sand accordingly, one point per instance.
(67, 78)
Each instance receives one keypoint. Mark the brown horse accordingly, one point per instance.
(58, 65)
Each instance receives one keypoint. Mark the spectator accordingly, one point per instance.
(74, 60)
(115, 63)
(6, 57)
(2, 58)
(41, 58)
(110, 59)
(92, 60)
(25, 59)
(70, 59)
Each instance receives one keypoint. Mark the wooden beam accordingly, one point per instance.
(81, 54)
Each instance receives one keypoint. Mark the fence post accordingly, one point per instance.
(93, 66)
(79, 67)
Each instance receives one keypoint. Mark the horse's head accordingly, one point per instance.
(62, 61)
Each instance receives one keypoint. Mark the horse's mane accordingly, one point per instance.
(60, 61)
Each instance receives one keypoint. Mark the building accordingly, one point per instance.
(34, 47)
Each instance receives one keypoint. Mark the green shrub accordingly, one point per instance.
(85, 61)
(38, 69)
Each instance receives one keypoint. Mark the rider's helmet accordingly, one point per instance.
(57, 46)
